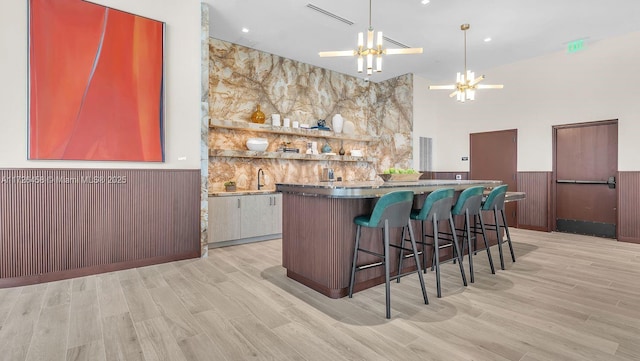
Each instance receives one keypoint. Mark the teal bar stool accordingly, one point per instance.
(436, 209)
(495, 203)
(468, 205)
(391, 211)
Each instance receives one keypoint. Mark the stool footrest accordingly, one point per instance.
(371, 252)
(449, 243)
(369, 265)
(401, 247)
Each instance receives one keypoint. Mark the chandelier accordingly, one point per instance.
(370, 50)
(466, 83)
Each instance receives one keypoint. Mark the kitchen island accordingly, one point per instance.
(318, 231)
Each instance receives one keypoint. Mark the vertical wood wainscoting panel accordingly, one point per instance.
(61, 223)
(318, 241)
(534, 212)
(446, 175)
(629, 207)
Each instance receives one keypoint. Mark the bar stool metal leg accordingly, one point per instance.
(414, 247)
(416, 258)
(424, 248)
(436, 256)
(387, 284)
(456, 248)
(467, 233)
(355, 261)
(486, 243)
(506, 230)
(392, 210)
(495, 218)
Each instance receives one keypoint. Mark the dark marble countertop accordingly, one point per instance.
(241, 192)
(374, 189)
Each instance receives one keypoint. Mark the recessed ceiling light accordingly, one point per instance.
(486, 40)
(424, 2)
(245, 30)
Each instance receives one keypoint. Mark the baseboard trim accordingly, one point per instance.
(87, 271)
(629, 240)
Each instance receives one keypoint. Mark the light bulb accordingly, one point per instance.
(369, 39)
(360, 40)
(360, 64)
(379, 63)
(379, 38)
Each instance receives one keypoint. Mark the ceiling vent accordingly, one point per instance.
(330, 14)
(396, 43)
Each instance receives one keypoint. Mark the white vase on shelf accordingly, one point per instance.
(337, 123)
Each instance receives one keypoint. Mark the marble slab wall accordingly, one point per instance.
(204, 130)
(241, 78)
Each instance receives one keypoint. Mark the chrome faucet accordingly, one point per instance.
(259, 184)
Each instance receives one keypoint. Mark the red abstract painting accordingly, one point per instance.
(95, 83)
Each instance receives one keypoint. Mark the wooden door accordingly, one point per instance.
(494, 156)
(585, 167)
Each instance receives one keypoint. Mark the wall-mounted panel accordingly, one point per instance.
(628, 201)
(58, 223)
(241, 78)
(95, 83)
(534, 211)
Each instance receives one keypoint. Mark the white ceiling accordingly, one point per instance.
(519, 29)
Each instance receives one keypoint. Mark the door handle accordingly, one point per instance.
(574, 181)
(610, 182)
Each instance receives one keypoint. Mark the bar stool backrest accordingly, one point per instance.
(437, 204)
(395, 207)
(470, 199)
(495, 199)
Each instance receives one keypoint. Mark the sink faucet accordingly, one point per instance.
(260, 185)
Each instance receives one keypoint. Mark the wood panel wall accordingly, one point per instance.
(534, 212)
(318, 242)
(443, 175)
(61, 223)
(629, 207)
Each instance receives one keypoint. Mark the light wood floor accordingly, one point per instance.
(566, 298)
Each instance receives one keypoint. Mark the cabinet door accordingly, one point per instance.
(276, 214)
(256, 215)
(224, 218)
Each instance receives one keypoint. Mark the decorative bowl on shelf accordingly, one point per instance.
(257, 144)
(400, 177)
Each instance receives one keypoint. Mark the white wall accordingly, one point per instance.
(424, 124)
(601, 82)
(182, 84)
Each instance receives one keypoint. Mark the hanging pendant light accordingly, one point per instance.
(466, 82)
(370, 51)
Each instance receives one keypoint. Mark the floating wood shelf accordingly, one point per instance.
(312, 133)
(283, 155)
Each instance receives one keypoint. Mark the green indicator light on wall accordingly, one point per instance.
(575, 46)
